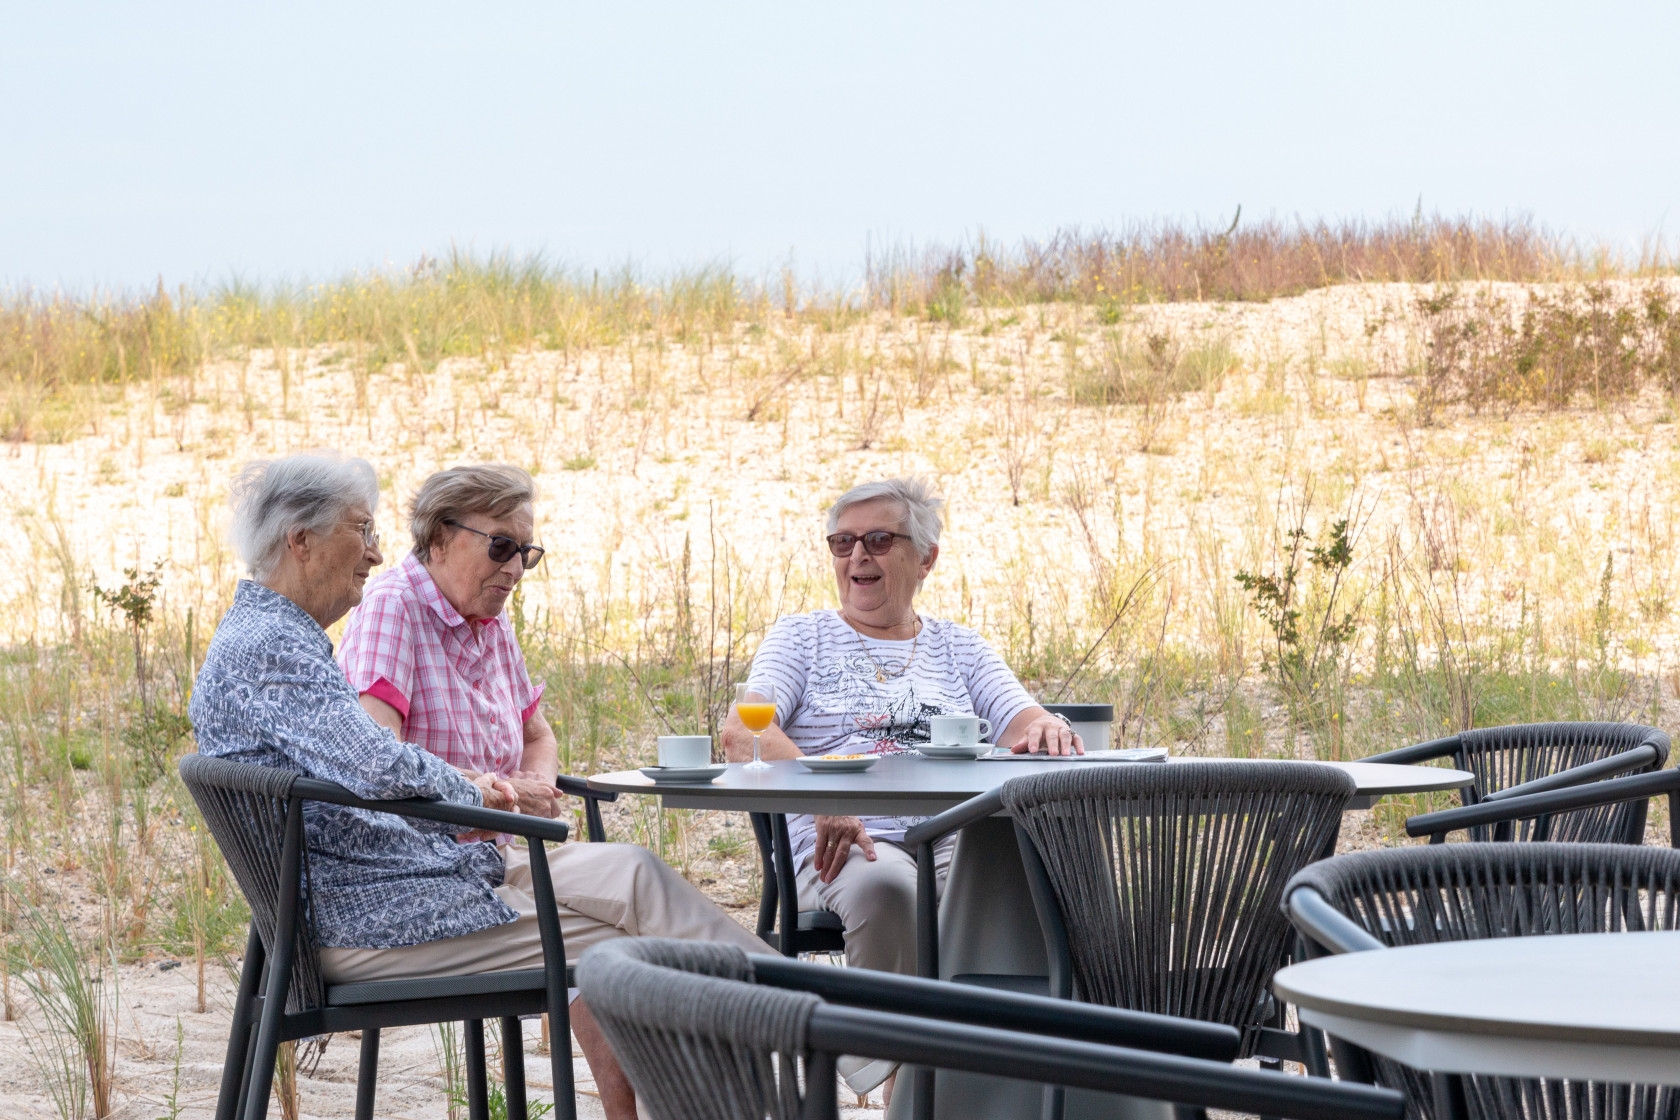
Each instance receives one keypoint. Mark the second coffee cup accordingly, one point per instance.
(685, 750)
(958, 731)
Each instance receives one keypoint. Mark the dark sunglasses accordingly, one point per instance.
(503, 549)
(878, 543)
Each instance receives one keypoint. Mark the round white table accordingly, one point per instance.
(910, 785)
(1594, 1006)
(987, 923)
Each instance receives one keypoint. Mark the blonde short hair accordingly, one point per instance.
(496, 489)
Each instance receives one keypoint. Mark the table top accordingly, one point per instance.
(1609, 988)
(909, 785)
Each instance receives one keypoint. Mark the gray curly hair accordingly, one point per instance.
(921, 508)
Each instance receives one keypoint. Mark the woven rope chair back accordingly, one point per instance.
(1502, 757)
(1169, 877)
(697, 1039)
(245, 808)
(1460, 892)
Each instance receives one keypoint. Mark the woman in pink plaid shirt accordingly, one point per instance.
(434, 658)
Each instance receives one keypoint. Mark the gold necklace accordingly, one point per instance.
(881, 674)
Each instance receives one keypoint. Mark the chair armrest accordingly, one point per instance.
(974, 809)
(1417, 752)
(580, 787)
(1636, 759)
(1057, 1061)
(1609, 792)
(1312, 914)
(1004, 1010)
(446, 812)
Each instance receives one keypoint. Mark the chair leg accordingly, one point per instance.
(478, 1083)
(560, 1061)
(245, 1073)
(513, 1067)
(264, 1051)
(367, 1073)
(234, 1065)
(922, 1079)
(1055, 1102)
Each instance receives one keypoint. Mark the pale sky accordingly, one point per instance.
(199, 142)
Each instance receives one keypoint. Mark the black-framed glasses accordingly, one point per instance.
(877, 543)
(503, 549)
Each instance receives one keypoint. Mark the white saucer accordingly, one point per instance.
(954, 751)
(684, 773)
(823, 763)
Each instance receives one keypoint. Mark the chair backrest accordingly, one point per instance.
(1502, 757)
(1168, 878)
(1462, 892)
(245, 807)
(696, 1041)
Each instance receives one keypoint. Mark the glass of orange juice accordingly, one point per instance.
(756, 705)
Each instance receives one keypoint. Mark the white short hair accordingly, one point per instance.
(272, 498)
(920, 518)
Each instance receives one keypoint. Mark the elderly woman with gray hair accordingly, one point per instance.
(396, 897)
(866, 678)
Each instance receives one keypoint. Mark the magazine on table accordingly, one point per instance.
(1119, 754)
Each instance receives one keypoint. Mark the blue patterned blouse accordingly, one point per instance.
(270, 693)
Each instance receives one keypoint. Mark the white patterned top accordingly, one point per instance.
(828, 700)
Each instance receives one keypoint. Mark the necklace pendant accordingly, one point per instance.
(880, 676)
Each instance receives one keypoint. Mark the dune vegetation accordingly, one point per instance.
(1272, 490)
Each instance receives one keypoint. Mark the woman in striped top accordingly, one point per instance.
(865, 679)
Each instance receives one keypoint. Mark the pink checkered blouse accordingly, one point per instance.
(462, 688)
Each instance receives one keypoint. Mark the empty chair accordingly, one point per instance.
(1459, 892)
(256, 815)
(1533, 757)
(707, 1032)
(1548, 815)
(1155, 884)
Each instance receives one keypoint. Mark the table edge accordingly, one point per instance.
(1439, 1022)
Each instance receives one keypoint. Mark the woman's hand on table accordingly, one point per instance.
(835, 837)
(536, 793)
(1048, 735)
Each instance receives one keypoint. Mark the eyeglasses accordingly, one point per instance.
(878, 543)
(503, 549)
(369, 532)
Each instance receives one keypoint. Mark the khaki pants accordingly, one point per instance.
(876, 902)
(601, 890)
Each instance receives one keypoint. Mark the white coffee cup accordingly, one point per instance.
(685, 750)
(958, 731)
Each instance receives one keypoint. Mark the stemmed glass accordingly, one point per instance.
(756, 705)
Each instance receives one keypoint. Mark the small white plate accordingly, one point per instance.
(684, 773)
(824, 764)
(954, 751)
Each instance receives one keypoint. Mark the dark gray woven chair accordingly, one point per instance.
(256, 815)
(1457, 892)
(1542, 816)
(1534, 757)
(706, 1032)
(797, 931)
(1155, 885)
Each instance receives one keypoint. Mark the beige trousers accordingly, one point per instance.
(601, 890)
(876, 902)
